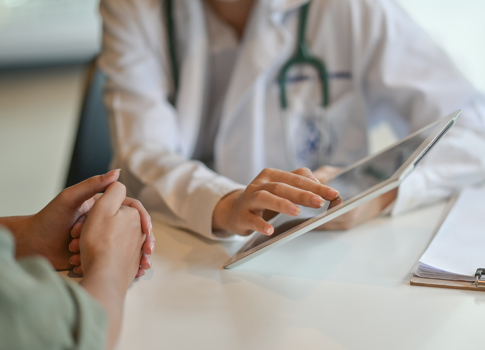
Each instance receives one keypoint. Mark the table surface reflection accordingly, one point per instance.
(323, 290)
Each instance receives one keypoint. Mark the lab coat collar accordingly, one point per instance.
(265, 41)
(287, 5)
(268, 42)
(193, 76)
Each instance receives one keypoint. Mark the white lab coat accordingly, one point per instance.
(381, 64)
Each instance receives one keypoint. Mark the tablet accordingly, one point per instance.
(357, 184)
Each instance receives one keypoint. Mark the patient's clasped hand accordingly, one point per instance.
(107, 237)
(55, 231)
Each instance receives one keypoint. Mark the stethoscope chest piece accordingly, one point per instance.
(307, 137)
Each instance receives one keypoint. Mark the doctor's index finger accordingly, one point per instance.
(306, 173)
(112, 199)
(301, 182)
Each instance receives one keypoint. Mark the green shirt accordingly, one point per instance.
(41, 310)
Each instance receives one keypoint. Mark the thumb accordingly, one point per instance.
(111, 201)
(76, 195)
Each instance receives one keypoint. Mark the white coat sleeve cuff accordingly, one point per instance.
(410, 194)
(203, 203)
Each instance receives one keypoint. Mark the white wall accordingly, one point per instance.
(48, 31)
(459, 27)
(38, 118)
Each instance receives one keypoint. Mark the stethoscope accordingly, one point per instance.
(303, 56)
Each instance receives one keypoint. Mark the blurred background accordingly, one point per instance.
(45, 49)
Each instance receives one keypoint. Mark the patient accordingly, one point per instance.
(41, 310)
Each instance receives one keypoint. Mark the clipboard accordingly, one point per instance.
(478, 285)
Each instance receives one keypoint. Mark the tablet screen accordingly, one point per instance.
(353, 182)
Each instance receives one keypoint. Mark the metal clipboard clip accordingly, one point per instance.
(479, 283)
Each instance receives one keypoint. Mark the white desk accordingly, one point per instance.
(347, 290)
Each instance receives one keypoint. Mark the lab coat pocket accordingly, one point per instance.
(347, 125)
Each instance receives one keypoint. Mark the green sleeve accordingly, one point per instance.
(41, 310)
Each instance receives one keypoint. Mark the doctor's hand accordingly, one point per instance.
(272, 191)
(325, 174)
(358, 215)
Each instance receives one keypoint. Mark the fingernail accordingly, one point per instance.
(111, 173)
(333, 193)
(294, 209)
(268, 231)
(318, 201)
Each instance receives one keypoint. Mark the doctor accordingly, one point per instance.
(200, 124)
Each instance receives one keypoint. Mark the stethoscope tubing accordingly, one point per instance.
(303, 55)
(171, 34)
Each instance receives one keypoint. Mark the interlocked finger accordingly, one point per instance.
(74, 245)
(77, 227)
(75, 260)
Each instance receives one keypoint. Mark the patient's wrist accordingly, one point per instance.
(24, 233)
(101, 272)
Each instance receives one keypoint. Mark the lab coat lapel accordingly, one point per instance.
(265, 41)
(193, 74)
(267, 45)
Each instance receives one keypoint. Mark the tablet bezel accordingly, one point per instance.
(441, 128)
